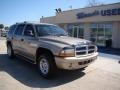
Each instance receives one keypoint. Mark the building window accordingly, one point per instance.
(76, 30)
(100, 32)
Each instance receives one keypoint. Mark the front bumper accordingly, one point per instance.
(72, 63)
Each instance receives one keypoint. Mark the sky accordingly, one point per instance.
(13, 11)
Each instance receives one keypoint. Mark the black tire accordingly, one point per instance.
(10, 51)
(46, 65)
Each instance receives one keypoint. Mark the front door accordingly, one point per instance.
(78, 32)
(29, 42)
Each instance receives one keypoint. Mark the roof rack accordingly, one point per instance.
(28, 22)
(31, 21)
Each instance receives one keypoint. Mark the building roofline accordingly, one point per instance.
(91, 7)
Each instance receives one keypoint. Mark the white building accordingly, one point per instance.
(97, 23)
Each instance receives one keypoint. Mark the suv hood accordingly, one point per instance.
(64, 40)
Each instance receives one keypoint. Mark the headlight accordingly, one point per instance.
(68, 52)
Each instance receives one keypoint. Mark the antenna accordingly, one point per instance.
(58, 10)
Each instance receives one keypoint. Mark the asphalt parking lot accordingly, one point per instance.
(17, 74)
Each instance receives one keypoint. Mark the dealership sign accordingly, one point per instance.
(108, 12)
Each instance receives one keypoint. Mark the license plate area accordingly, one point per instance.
(86, 62)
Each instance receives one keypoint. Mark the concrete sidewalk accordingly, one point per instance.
(17, 74)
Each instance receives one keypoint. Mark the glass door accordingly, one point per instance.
(75, 31)
(78, 32)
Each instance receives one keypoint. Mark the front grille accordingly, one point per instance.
(80, 48)
(84, 50)
(91, 51)
(91, 47)
(81, 53)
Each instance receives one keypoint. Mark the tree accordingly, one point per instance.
(6, 28)
(1, 26)
(92, 3)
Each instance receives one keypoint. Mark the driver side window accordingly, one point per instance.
(29, 31)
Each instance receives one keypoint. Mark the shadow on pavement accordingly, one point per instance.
(28, 74)
(112, 51)
(119, 62)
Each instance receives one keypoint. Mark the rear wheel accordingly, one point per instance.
(10, 51)
(46, 65)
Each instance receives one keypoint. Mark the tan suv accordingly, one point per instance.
(49, 47)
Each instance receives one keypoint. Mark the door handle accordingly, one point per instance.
(22, 39)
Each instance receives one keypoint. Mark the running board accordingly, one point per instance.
(26, 59)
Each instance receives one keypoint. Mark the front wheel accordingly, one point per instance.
(46, 65)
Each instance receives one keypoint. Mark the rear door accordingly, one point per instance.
(17, 38)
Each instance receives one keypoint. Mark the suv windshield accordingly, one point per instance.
(43, 30)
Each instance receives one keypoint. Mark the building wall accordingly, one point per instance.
(0, 32)
(48, 20)
(87, 31)
(116, 34)
(68, 17)
(119, 35)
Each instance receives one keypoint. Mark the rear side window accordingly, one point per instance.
(12, 29)
(19, 29)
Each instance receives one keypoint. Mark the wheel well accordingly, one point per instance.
(8, 43)
(41, 51)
